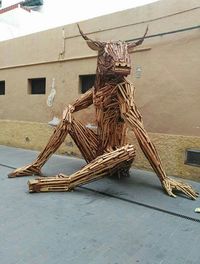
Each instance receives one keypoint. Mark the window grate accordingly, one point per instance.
(37, 86)
(86, 82)
(2, 87)
(193, 157)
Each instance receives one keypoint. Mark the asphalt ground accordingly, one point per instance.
(110, 221)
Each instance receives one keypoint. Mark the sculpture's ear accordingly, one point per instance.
(94, 45)
(132, 44)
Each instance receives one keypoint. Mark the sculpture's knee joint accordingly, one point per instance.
(67, 113)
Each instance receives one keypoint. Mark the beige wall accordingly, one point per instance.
(167, 93)
(34, 135)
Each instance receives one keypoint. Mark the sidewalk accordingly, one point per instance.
(110, 221)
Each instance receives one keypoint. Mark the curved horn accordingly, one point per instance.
(95, 45)
(139, 42)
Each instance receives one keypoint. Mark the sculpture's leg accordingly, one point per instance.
(133, 118)
(85, 139)
(54, 143)
(98, 168)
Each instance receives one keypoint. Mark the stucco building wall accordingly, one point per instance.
(167, 92)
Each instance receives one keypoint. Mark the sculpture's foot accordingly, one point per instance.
(59, 183)
(25, 171)
(170, 184)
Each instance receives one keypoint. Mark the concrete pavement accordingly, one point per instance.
(110, 221)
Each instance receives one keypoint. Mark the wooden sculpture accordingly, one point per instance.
(106, 151)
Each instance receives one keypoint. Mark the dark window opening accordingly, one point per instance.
(32, 3)
(86, 82)
(193, 157)
(37, 86)
(2, 87)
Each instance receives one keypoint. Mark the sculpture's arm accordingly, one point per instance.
(81, 103)
(84, 101)
(132, 117)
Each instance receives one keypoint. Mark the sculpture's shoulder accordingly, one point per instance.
(126, 87)
(105, 90)
(126, 83)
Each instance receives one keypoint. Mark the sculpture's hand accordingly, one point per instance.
(67, 113)
(170, 184)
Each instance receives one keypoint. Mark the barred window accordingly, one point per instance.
(86, 82)
(37, 86)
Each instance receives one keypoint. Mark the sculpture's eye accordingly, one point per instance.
(107, 56)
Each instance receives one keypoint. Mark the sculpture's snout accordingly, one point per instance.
(122, 68)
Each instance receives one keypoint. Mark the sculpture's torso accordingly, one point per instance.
(111, 128)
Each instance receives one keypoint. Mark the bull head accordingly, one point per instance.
(113, 56)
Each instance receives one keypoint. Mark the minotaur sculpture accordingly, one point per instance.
(106, 151)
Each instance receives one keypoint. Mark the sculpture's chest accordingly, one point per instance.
(111, 128)
(106, 98)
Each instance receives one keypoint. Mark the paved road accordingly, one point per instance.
(111, 221)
